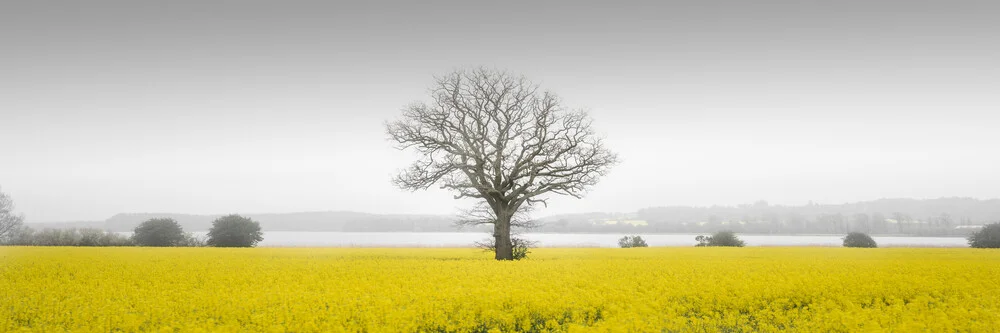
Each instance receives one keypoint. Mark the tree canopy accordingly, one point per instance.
(859, 239)
(158, 232)
(9, 222)
(987, 237)
(234, 231)
(497, 137)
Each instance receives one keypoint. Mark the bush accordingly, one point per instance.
(522, 247)
(158, 232)
(859, 239)
(986, 238)
(190, 240)
(97, 237)
(721, 238)
(631, 241)
(234, 231)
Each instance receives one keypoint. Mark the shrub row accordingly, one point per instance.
(226, 231)
(25, 236)
(987, 237)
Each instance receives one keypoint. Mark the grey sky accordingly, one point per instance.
(250, 106)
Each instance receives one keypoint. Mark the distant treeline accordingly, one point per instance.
(67, 237)
(27, 236)
(933, 217)
(305, 221)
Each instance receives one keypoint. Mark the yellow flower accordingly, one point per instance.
(463, 290)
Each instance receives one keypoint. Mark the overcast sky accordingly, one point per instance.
(248, 106)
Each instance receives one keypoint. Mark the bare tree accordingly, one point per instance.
(494, 136)
(9, 222)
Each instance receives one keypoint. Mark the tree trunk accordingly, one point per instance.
(501, 236)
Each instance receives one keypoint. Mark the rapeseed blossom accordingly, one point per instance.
(464, 290)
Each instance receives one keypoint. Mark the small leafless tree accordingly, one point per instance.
(495, 136)
(482, 214)
(9, 222)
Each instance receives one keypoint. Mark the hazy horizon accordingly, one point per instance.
(204, 107)
(348, 211)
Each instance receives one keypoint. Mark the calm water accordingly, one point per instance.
(459, 239)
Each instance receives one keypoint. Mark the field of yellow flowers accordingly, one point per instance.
(464, 290)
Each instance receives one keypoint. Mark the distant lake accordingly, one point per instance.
(466, 239)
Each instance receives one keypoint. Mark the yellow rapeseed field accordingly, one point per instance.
(462, 290)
